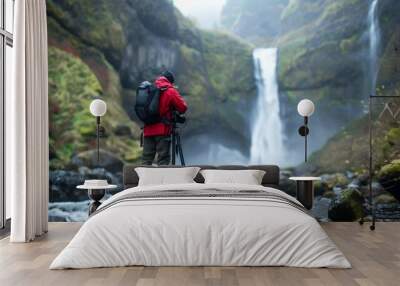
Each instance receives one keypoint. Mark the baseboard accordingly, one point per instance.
(5, 231)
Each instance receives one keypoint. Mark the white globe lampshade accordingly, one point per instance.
(98, 107)
(305, 107)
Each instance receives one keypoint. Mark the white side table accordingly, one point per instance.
(305, 190)
(96, 191)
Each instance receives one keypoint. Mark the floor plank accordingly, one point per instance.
(375, 257)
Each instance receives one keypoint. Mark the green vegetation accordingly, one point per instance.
(301, 10)
(72, 86)
(392, 168)
(217, 76)
(93, 22)
(96, 51)
(229, 65)
(351, 148)
(312, 59)
(105, 48)
(257, 21)
(324, 56)
(389, 177)
(323, 50)
(385, 198)
(350, 44)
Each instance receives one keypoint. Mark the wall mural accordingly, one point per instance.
(242, 67)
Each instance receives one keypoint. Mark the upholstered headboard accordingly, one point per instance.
(271, 177)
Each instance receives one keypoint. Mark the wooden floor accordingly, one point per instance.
(375, 257)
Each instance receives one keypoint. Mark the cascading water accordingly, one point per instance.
(267, 132)
(374, 40)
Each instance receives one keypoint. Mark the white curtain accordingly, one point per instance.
(27, 124)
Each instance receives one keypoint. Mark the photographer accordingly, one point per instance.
(157, 136)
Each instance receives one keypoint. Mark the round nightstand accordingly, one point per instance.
(96, 191)
(305, 190)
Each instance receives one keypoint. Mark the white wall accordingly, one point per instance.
(8, 94)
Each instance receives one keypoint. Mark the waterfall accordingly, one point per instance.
(374, 40)
(267, 132)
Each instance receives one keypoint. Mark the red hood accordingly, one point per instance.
(170, 99)
(162, 82)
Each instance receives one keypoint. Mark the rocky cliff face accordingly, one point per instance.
(120, 43)
(257, 21)
(350, 145)
(324, 56)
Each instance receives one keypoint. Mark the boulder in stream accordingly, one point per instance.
(347, 207)
(389, 177)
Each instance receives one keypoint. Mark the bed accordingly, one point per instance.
(198, 224)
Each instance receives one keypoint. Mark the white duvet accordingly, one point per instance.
(200, 231)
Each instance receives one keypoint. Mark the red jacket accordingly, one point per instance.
(170, 99)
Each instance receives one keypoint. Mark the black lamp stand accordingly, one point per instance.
(97, 194)
(98, 139)
(371, 167)
(304, 131)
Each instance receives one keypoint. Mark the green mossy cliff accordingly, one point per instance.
(106, 48)
(351, 148)
(351, 145)
(257, 21)
(72, 86)
(320, 42)
(324, 56)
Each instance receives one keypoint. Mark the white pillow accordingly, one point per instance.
(247, 177)
(166, 176)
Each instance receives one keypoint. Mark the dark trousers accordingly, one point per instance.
(160, 145)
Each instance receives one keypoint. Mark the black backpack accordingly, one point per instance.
(147, 103)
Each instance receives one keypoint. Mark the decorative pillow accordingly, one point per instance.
(247, 177)
(166, 176)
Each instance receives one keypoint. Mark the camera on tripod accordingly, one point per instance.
(178, 118)
(176, 147)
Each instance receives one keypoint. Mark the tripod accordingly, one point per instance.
(176, 142)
